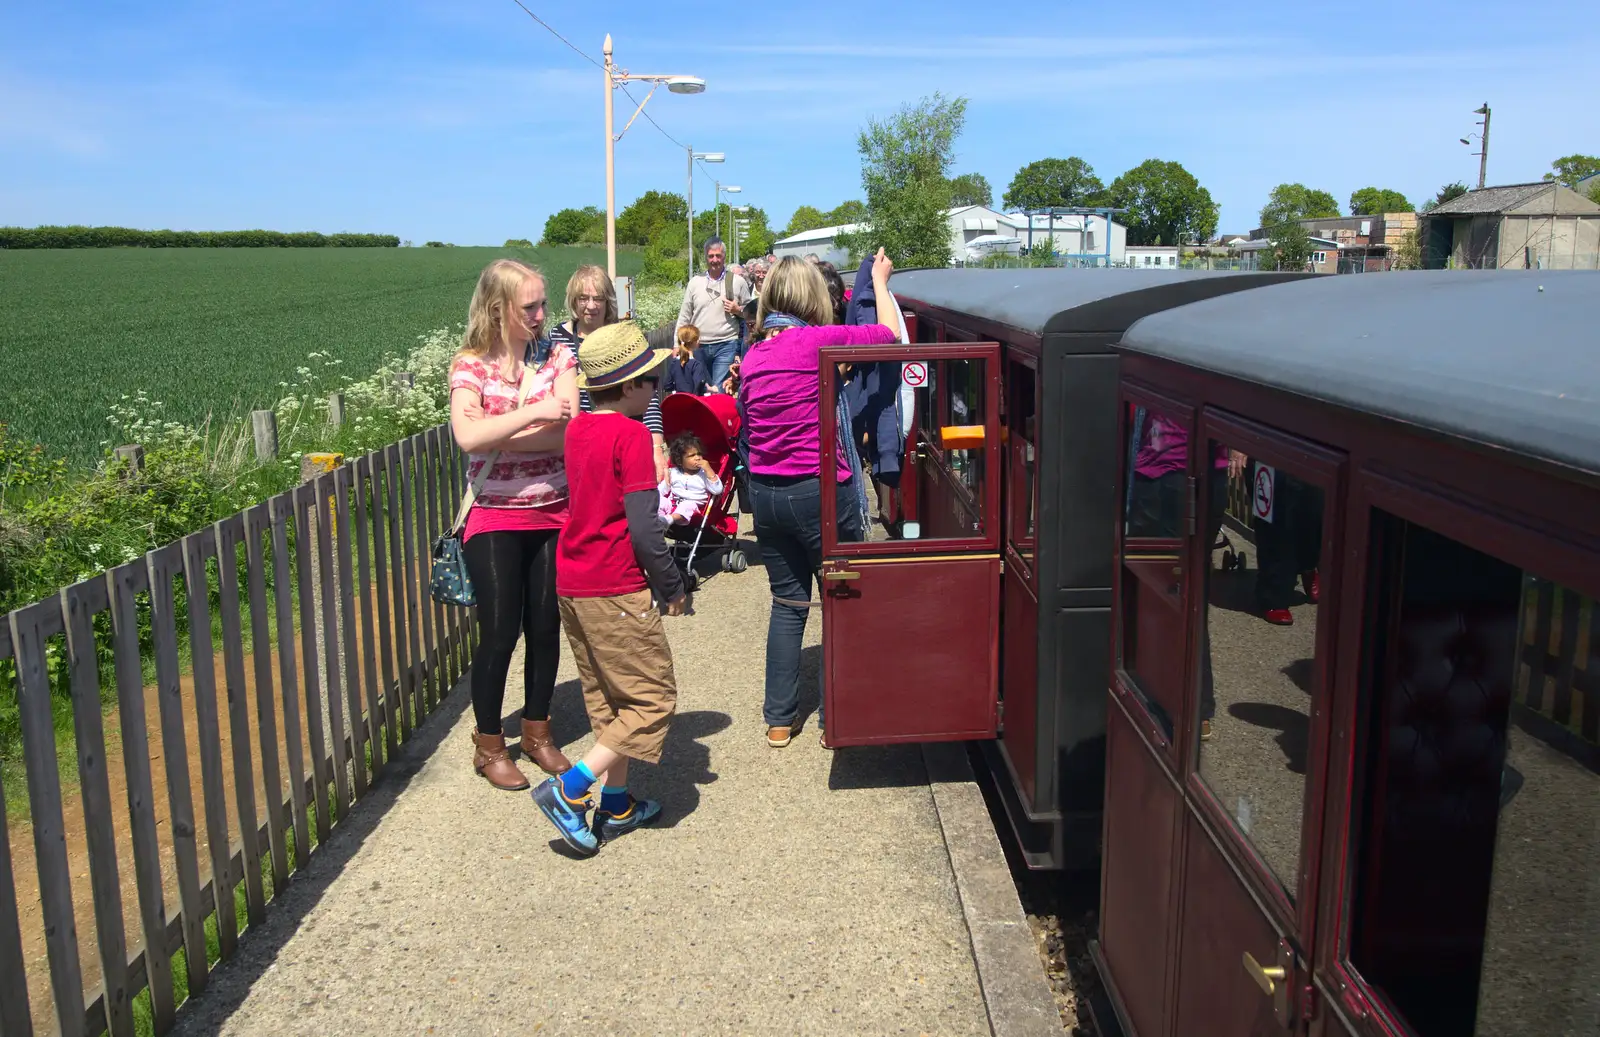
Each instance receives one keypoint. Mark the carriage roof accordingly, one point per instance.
(1041, 301)
(1506, 358)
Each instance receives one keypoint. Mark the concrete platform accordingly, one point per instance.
(793, 891)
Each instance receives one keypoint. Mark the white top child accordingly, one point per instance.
(690, 483)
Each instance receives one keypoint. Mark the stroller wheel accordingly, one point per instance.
(691, 580)
(737, 562)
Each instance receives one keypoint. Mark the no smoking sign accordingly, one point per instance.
(915, 374)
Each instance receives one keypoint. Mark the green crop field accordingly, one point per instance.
(213, 331)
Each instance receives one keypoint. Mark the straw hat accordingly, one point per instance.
(614, 354)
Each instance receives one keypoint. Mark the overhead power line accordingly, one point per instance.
(574, 48)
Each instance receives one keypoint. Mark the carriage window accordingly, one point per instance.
(1021, 384)
(1475, 852)
(1258, 650)
(963, 408)
(1154, 629)
(1158, 459)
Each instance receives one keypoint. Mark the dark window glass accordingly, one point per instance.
(1477, 887)
(1258, 652)
(1021, 384)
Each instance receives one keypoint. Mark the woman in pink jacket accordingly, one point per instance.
(782, 415)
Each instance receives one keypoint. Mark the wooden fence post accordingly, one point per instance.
(312, 466)
(264, 423)
(404, 380)
(336, 409)
(132, 454)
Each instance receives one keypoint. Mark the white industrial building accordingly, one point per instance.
(1152, 256)
(1089, 238)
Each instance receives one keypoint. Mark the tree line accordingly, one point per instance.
(128, 237)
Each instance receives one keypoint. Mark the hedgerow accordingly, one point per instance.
(129, 237)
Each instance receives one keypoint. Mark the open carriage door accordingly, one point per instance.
(910, 627)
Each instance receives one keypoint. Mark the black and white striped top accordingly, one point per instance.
(652, 414)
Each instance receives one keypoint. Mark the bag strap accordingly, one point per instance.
(476, 486)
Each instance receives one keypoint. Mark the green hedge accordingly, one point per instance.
(127, 237)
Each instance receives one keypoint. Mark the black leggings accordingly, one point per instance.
(514, 577)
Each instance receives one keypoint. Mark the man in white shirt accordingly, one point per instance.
(713, 302)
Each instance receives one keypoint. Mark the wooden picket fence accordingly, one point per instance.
(347, 655)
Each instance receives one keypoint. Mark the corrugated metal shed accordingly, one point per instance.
(1066, 299)
(1486, 356)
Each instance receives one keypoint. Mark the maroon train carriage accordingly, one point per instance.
(1010, 492)
(1382, 817)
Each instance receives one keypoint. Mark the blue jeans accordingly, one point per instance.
(788, 525)
(718, 358)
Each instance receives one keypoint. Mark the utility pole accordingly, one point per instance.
(1483, 153)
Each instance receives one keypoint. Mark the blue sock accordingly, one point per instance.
(576, 782)
(614, 799)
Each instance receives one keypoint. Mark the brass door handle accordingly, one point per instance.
(841, 575)
(1266, 976)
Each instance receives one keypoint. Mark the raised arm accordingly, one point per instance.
(476, 432)
(882, 267)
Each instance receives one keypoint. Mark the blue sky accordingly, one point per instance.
(463, 120)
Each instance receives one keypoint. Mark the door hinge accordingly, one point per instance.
(1002, 567)
(1194, 506)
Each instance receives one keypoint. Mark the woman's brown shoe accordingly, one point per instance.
(490, 759)
(538, 746)
(778, 737)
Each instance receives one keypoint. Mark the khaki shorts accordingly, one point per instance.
(625, 665)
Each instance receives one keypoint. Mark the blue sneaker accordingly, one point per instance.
(640, 812)
(567, 815)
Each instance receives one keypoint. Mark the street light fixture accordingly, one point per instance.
(616, 77)
(703, 156)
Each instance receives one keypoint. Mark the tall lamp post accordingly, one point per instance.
(1483, 139)
(720, 189)
(616, 77)
(704, 156)
(739, 226)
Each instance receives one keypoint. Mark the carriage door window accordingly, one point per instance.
(1154, 627)
(1475, 859)
(1022, 435)
(1258, 668)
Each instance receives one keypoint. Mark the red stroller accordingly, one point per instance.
(714, 420)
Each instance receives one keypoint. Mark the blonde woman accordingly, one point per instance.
(592, 301)
(510, 536)
(782, 421)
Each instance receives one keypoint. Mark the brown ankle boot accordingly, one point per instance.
(491, 760)
(538, 746)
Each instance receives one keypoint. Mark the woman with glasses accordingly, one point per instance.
(592, 301)
(510, 536)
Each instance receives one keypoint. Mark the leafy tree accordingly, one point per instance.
(1053, 182)
(1572, 168)
(1408, 252)
(1374, 201)
(807, 217)
(971, 189)
(852, 211)
(666, 257)
(640, 222)
(518, 243)
(1296, 202)
(904, 162)
(1165, 204)
(1594, 194)
(570, 226)
(1446, 193)
(1291, 247)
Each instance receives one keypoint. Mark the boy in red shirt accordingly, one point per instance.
(608, 556)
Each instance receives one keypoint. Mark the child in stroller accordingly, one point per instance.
(712, 423)
(691, 483)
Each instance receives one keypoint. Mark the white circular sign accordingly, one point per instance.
(915, 374)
